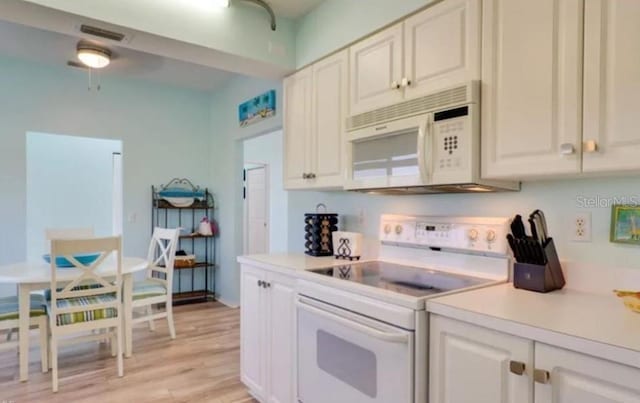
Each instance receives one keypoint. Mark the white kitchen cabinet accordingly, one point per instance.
(611, 85)
(297, 128)
(376, 70)
(531, 88)
(470, 363)
(473, 364)
(442, 47)
(575, 377)
(314, 126)
(267, 347)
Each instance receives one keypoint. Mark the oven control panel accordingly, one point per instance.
(479, 234)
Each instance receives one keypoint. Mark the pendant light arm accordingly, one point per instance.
(267, 7)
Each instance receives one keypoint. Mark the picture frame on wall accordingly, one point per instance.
(625, 224)
(257, 108)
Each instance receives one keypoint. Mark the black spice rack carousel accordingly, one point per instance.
(319, 228)
(194, 282)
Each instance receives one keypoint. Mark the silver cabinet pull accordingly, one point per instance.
(567, 149)
(395, 85)
(541, 376)
(305, 176)
(260, 283)
(311, 176)
(516, 367)
(405, 82)
(267, 285)
(590, 146)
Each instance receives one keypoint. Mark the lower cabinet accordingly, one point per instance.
(267, 345)
(469, 363)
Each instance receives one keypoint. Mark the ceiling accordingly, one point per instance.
(56, 49)
(293, 8)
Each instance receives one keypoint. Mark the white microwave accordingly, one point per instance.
(435, 149)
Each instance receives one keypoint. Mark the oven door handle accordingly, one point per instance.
(312, 307)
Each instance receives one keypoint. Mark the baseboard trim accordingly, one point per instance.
(227, 303)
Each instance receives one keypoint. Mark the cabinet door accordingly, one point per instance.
(297, 128)
(330, 97)
(531, 88)
(282, 340)
(468, 363)
(253, 336)
(575, 377)
(611, 85)
(442, 46)
(376, 63)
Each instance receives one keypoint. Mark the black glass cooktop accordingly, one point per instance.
(408, 280)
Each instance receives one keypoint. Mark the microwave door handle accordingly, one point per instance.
(378, 334)
(423, 154)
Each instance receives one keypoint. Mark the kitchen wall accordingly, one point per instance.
(226, 159)
(336, 23)
(267, 149)
(165, 133)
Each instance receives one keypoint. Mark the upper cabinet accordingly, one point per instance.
(432, 50)
(314, 124)
(548, 107)
(611, 85)
(442, 47)
(531, 87)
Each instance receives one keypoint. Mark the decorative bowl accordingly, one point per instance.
(62, 262)
(631, 299)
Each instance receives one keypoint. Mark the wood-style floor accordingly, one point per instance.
(201, 365)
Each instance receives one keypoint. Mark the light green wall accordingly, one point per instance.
(165, 133)
(241, 30)
(336, 23)
(226, 158)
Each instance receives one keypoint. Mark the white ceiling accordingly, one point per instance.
(56, 49)
(293, 8)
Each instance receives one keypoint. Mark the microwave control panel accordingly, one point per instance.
(452, 133)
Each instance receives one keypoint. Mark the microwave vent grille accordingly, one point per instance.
(451, 97)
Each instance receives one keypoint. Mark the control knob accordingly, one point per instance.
(491, 235)
(398, 229)
(387, 229)
(473, 234)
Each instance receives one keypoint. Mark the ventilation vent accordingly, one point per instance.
(102, 33)
(456, 96)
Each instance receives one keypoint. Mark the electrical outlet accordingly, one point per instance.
(581, 227)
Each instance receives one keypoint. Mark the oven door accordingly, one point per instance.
(393, 154)
(344, 357)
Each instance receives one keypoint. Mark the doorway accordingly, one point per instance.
(256, 201)
(72, 182)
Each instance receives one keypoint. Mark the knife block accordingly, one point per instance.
(540, 278)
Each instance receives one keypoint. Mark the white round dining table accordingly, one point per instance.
(36, 275)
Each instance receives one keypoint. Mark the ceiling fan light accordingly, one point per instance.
(93, 56)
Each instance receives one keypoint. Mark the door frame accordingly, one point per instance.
(245, 210)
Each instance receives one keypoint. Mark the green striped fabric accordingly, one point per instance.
(47, 292)
(148, 288)
(85, 316)
(9, 307)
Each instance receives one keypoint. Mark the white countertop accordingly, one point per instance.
(594, 324)
(291, 261)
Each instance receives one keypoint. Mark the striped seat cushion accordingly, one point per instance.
(148, 288)
(47, 292)
(9, 307)
(85, 316)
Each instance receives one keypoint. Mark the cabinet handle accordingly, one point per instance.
(405, 82)
(567, 149)
(267, 285)
(516, 367)
(395, 85)
(305, 176)
(590, 146)
(541, 376)
(260, 283)
(311, 176)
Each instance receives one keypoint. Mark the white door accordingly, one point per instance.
(253, 331)
(442, 47)
(344, 357)
(297, 128)
(330, 95)
(468, 363)
(257, 211)
(376, 70)
(282, 341)
(575, 377)
(611, 85)
(531, 88)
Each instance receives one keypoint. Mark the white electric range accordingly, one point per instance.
(362, 326)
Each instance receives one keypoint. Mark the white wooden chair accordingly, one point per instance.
(89, 302)
(156, 290)
(9, 314)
